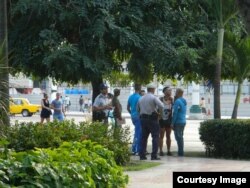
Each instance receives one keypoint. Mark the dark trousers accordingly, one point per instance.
(149, 126)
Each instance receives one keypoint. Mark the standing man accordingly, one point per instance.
(67, 103)
(101, 105)
(148, 106)
(135, 116)
(81, 103)
(179, 119)
(57, 106)
(117, 107)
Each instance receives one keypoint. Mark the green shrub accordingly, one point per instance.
(27, 136)
(226, 138)
(73, 164)
(116, 139)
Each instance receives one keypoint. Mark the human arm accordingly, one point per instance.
(128, 108)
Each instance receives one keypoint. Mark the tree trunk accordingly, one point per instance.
(217, 77)
(96, 91)
(4, 72)
(237, 101)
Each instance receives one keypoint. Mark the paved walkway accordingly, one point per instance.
(161, 176)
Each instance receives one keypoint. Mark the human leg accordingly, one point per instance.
(161, 137)
(168, 139)
(42, 120)
(48, 119)
(178, 132)
(136, 147)
(155, 131)
(144, 138)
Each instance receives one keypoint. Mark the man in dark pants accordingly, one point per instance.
(148, 106)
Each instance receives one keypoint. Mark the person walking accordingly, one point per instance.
(81, 103)
(179, 119)
(148, 105)
(165, 120)
(102, 105)
(131, 107)
(57, 106)
(46, 111)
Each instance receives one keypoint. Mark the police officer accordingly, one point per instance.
(101, 105)
(148, 105)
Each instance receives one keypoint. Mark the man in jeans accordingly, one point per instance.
(131, 107)
(179, 120)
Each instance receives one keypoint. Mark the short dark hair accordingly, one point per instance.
(137, 87)
(165, 88)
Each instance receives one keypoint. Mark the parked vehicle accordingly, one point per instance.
(23, 106)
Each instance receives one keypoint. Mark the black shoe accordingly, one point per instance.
(169, 153)
(161, 153)
(143, 158)
(155, 158)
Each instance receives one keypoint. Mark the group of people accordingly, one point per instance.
(157, 116)
(85, 104)
(106, 104)
(149, 114)
(57, 107)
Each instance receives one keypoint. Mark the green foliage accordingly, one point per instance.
(73, 164)
(81, 40)
(27, 136)
(114, 138)
(226, 138)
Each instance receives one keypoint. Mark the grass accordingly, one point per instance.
(200, 154)
(135, 165)
(139, 165)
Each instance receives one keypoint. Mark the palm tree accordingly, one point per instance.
(223, 11)
(4, 73)
(240, 64)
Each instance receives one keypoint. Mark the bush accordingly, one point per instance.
(226, 138)
(73, 164)
(27, 136)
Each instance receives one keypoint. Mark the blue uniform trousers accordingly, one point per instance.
(149, 126)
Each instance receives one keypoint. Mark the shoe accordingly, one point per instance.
(169, 153)
(155, 158)
(143, 158)
(133, 153)
(161, 153)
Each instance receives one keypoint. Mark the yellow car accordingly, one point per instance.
(23, 106)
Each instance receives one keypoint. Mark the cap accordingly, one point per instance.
(151, 85)
(103, 86)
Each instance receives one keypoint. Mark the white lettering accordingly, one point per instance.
(181, 179)
(237, 181)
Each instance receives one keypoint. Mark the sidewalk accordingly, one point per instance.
(161, 176)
